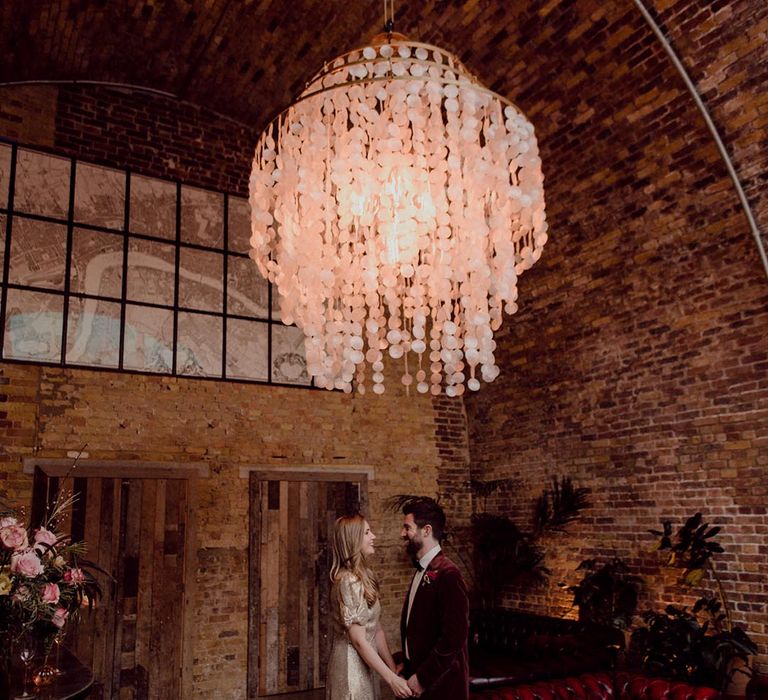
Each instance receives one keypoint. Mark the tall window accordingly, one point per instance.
(101, 267)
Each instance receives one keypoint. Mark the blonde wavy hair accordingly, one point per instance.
(346, 545)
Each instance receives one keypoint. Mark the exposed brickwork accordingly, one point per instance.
(221, 638)
(245, 60)
(27, 114)
(124, 416)
(19, 401)
(637, 364)
(416, 445)
(453, 448)
(145, 133)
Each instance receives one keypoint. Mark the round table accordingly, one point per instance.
(74, 681)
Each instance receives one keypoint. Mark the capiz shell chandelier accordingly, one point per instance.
(394, 205)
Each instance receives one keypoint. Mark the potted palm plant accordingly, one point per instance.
(503, 553)
(701, 646)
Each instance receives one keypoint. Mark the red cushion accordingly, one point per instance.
(601, 686)
(637, 687)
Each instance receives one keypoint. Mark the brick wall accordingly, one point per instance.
(638, 363)
(47, 412)
(416, 445)
(155, 135)
(27, 114)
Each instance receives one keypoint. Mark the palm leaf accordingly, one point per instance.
(561, 506)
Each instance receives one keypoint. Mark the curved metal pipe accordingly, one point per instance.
(100, 83)
(123, 86)
(665, 44)
(712, 129)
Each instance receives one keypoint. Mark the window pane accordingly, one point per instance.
(151, 271)
(199, 345)
(99, 195)
(289, 363)
(42, 184)
(239, 225)
(247, 349)
(93, 332)
(148, 339)
(5, 173)
(247, 290)
(201, 280)
(38, 253)
(202, 217)
(97, 263)
(33, 326)
(153, 207)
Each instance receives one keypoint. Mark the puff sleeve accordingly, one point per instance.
(353, 608)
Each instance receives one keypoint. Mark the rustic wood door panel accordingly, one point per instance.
(290, 560)
(136, 530)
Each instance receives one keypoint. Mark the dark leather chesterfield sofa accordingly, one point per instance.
(599, 686)
(509, 647)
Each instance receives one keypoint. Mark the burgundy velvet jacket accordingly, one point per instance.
(437, 632)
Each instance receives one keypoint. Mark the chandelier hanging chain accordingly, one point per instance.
(389, 16)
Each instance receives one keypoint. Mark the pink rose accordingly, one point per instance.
(14, 537)
(43, 536)
(59, 617)
(27, 564)
(8, 520)
(50, 593)
(74, 576)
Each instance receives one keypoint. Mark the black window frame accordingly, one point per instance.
(11, 214)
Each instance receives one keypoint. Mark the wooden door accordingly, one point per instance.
(292, 517)
(135, 528)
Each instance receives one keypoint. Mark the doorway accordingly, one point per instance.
(135, 520)
(291, 518)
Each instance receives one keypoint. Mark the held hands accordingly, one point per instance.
(400, 687)
(415, 686)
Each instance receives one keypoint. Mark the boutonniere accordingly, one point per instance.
(429, 577)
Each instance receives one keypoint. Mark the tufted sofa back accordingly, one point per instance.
(511, 631)
(631, 686)
(508, 648)
(601, 686)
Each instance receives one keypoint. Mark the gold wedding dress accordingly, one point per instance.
(349, 677)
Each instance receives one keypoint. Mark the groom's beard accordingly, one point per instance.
(413, 547)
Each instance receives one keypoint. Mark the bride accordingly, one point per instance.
(359, 645)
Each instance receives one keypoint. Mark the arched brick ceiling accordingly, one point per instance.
(588, 73)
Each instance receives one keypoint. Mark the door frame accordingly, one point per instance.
(360, 474)
(140, 469)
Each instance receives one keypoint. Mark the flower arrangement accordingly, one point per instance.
(44, 581)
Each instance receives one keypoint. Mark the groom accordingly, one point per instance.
(435, 621)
